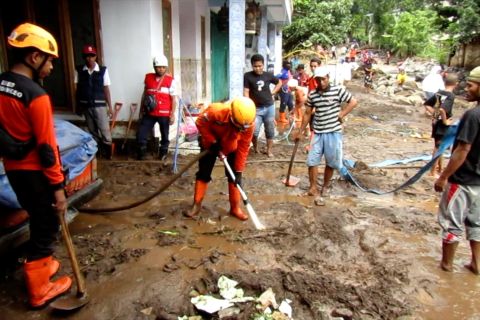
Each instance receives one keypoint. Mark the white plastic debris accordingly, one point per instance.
(210, 304)
(286, 308)
(227, 288)
(267, 299)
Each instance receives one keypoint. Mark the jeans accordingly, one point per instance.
(145, 129)
(266, 115)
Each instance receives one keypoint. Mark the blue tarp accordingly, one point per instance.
(447, 141)
(77, 149)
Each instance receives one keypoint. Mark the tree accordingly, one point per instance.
(325, 22)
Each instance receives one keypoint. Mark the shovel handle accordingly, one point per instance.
(290, 165)
(81, 289)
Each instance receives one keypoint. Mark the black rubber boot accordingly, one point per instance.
(142, 150)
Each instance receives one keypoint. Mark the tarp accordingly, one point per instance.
(446, 142)
(77, 149)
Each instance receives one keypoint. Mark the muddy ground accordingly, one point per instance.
(375, 256)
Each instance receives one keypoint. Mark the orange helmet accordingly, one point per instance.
(243, 112)
(29, 35)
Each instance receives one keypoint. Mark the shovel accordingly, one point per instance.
(256, 222)
(292, 181)
(71, 302)
(116, 110)
(133, 108)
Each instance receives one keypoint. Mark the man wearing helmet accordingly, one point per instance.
(92, 85)
(33, 163)
(226, 127)
(159, 103)
(459, 207)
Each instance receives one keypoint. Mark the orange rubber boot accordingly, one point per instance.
(37, 277)
(235, 198)
(200, 190)
(282, 118)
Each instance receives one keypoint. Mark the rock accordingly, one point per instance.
(415, 100)
(343, 313)
(411, 85)
(401, 100)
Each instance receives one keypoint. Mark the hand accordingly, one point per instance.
(172, 119)
(340, 119)
(215, 148)
(297, 135)
(61, 203)
(440, 184)
(110, 112)
(238, 178)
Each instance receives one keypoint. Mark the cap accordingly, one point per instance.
(89, 49)
(321, 72)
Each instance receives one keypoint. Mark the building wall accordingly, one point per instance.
(190, 14)
(471, 52)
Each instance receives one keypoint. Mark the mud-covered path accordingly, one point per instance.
(376, 256)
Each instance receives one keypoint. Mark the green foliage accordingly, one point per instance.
(467, 26)
(325, 22)
(412, 32)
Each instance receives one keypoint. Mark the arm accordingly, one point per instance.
(243, 145)
(246, 92)
(277, 88)
(347, 109)
(174, 107)
(203, 124)
(307, 115)
(458, 158)
(106, 90)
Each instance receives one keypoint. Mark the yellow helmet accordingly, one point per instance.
(243, 112)
(29, 35)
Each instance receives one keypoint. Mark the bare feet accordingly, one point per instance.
(312, 192)
(193, 212)
(471, 268)
(447, 268)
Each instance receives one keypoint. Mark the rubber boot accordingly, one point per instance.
(448, 253)
(142, 150)
(107, 151)
(282, 118)
(235, 198)
(37, 277)
(200, 190)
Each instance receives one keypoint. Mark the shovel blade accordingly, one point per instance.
(292, 181)
(70, 302)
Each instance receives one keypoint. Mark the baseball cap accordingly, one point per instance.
(321, 72)
(89, 49)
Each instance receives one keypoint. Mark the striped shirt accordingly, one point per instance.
(327, 107)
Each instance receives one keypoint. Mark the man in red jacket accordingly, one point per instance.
(227, 128)
(32, 160)
(159, 103)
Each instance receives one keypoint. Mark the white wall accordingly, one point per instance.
(131, 35)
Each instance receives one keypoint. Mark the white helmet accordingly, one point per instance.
(160, 61)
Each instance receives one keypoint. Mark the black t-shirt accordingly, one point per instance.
(259, 87)
(446, 100)
(469, 132)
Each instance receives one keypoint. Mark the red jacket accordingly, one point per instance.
(26, 117)
(160, 87)
(214, 125)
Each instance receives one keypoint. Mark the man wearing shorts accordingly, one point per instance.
(459, 207)
(326, 99)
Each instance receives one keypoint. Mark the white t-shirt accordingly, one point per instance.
(106, 77)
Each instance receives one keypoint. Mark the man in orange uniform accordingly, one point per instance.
(33, 162)
(227, 128)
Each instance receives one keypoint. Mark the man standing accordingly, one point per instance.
(159, 104)
(459, 207)
(256, 86)
(327, 128)
(227, 128)
(93, 99)
(33, 163)
(286, 99)
(440, 107)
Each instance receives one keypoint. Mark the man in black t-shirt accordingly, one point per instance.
(459, 207)
(440, 107)
(256, 86)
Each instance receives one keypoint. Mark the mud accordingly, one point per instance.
(363, 255)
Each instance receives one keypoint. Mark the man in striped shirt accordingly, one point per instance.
(326, 99)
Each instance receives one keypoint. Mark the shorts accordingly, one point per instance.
(265, 115)
(329, 145)
(459, 209)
